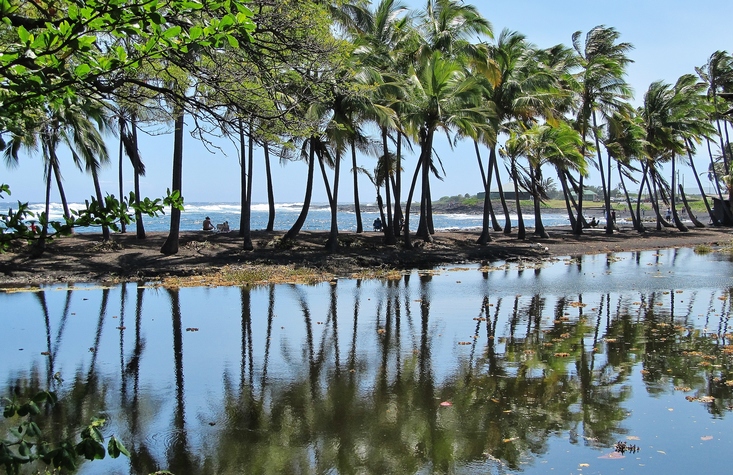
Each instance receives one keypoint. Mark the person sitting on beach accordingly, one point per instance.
(593, 223)
(223, 227)
(377, 224)
(207, 224)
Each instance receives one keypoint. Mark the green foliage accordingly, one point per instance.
(52, 54)
(14, 227)
(25, 442)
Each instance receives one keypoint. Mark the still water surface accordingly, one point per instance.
(505, 369)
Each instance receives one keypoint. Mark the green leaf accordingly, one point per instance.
(33, 430)
(172, 32)
(82, 70)
(233, 41)
(226, 21)
(24, 35)
(90, 449)
(10, 410)
(115, 448)
(23, 449)
(195, 32)
(157, 18)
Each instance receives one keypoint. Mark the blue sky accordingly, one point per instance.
(670, 37)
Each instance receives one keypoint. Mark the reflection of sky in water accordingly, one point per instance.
(303, 333)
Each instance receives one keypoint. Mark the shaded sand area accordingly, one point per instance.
(85, 258)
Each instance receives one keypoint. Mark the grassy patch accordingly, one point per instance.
(251, 275)
(381, 274)
(703, 249)
(727, 248)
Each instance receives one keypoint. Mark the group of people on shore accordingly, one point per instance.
(220, 228)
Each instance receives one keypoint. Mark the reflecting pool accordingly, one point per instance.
(503, 369)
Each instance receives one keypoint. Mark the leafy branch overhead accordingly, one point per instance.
(54, 50)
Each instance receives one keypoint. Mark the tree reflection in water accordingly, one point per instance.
(420, 374)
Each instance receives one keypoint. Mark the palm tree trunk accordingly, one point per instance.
(397, 188)
(429, 204)
(644, 178)
(680, 225)
(137, 169)
(580, 219)
(568, 197)
(242, 175)
(408, 204)
(60, 185)
(170, 246)
(295, 229)
(389, 237)
(693, 218)
(521, 230)
(494, 163)
(332, 243)
(123, 226)
(654, 197)
(484, 238)
(100, 199)
(40, 245)
(270, 190)
(535, 176)
(357, 206)
(713, 218)
(635, 221)
(245, 223)
(422, 228)
(606, 191)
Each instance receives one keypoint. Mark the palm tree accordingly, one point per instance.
(452, 27)
(444, 98)
(717, 74)
(603, 64)
(671, 116)
(690, 112)
(170, 246)
(72, 125)
(381, 37)
(127, 123)
(519, 93)
(559, 146)
(514, 147)
(624, 142)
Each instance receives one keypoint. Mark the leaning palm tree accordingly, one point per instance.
(690, 125)
(559, 146)
(76, 126)
(672, 117)
(662, 142)
(717, 74)
(603, 89)
(625, 142)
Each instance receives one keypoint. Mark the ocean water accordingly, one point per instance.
(319, 217)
